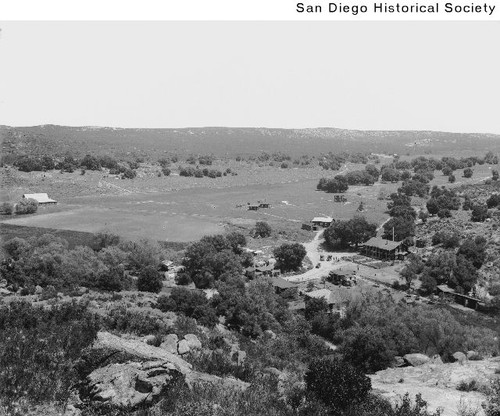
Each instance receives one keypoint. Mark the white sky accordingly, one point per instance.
(359, 75)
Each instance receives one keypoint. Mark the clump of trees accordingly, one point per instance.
(48, 261)
(262, 229)
(26, 206)
(458, 270)
(375, 329)
(338, 184)
(401, 225)
(70, 163)
(442, 201)
(349, 233)
(200, 173)
(479, 213)
(289, 256)
(215, 258)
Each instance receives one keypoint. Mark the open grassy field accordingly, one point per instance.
(188, 214)
(179, 209)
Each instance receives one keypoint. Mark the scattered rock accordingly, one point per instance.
(170, 343)
(416, 359)
(269, 334)
(399, 361)
(436, 359)
(272, 370)
(149, 339)
(460, 357)
(38, 290)
(81, 290)
(473, 355)
(4, 292)
(183, 347)
(193, 342)
(239, 357)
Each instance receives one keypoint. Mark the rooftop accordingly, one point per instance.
(382, 244)
(322, 219)
(40, 198)
(282, 283)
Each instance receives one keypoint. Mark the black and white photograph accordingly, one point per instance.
(246, 218)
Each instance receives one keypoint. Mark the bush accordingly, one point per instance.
(336, 383)
(26, 206)
(38, 350)
(262, 229)
(479, 213)
(6, 208)
(150, 280)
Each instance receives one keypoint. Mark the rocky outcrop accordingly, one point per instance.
(170, 343)
(140, 350)
(150, 371)
(437, 383)
(189, 343)
(131, 384)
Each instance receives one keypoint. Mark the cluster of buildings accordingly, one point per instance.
(258, 205)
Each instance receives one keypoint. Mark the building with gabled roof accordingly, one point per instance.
(41, 198)
(384, 249)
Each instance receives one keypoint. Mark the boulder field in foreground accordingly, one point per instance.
(437, 383)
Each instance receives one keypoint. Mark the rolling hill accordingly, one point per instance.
(224, 141)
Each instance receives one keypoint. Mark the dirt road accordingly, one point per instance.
(314, 251)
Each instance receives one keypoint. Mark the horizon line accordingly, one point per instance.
(245, 127)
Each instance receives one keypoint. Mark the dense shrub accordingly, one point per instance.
(26, 206)
(479, 213)
(214, 258)
(352, 232)
(150, 280)
(6, 208)
(338, 184)
(121, 319)
(337, 383)
(38, 350)
(262, 229)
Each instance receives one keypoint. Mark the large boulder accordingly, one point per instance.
(140, 351)
(131, 384)
(473, 355)
(193, 342)
(183, 347)
(170, 343)
(416, 359)
(460, 357)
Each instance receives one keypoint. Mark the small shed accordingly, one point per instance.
(464, 300)
(324, 222)
(41, 198)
